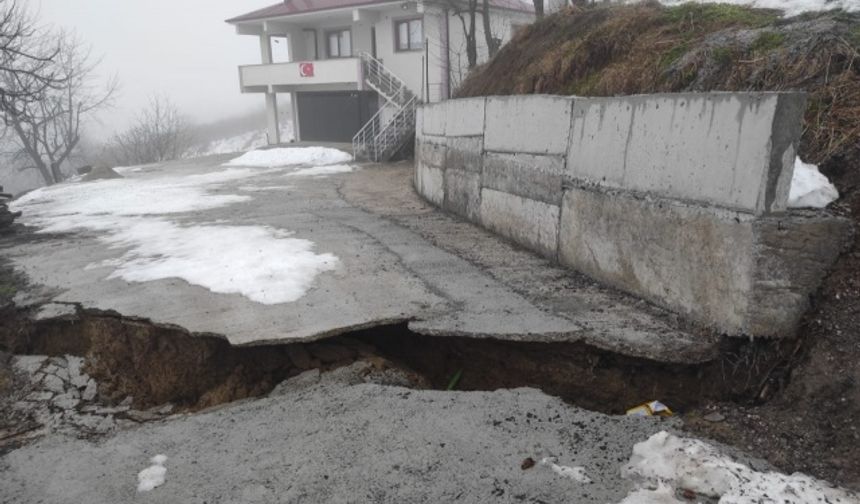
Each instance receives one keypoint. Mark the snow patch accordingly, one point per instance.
(243, 142)
(809, 188)
(576, 473)
(154, 475)
(265, 188)
(790, 7)
(665, 463)
(290, 156)
(264, 264)
(321, 171)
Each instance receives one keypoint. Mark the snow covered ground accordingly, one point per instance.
(791, 7)
(665, 465)
(291, 156)
(141, 215)
(809, 188)
(243, 142)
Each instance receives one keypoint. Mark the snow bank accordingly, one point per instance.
(665, 463)
(809, 188)
(289, 156)
(321, 171)
(791, 7)
(264, 264)
(154, 475)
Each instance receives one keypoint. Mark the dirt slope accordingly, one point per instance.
(811, 420)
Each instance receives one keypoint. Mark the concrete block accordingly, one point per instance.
(464, 153)
(533, 224)
(431, 151)
(419, 122)
(465, 117)
(735, 272)
(792, 253)
(693, 260)
(434, 116)
(532, 124)
(734, 150)
(429, 183)
(527, 175)
(463, 193)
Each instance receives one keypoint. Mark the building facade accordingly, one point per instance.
(353, 64)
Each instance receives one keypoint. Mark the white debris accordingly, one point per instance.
(153, 476)
(665, 460)
(290, 156)
(261, 263)
(809, 188)
(790, 7)
(576, 473)
(321, 171)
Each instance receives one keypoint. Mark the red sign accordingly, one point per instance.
(306, 69)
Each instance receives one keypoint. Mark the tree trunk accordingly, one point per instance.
(539, 9)
(471, 36)
(492, 42)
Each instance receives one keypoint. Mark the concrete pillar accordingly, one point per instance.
(265, 49)
(294, 103)
(273, 135)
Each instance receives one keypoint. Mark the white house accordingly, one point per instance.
(354, 69)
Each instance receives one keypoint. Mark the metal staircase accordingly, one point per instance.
(393, 125)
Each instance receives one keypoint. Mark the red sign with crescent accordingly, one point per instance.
(306, 69)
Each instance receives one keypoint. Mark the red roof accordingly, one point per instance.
(290, 7)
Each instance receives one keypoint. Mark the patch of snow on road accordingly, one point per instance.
(576, 473)
(663, 494)
(321, 171)
(154, 475)
(689, 464)
(290, 156)
(790, 7)
(264, 264)
(809, 188)
(265, 188)
(261, 263)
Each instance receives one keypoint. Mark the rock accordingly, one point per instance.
(164, 409)
(299, 356)
(51, 369)
(40, 396)
(54, 384)
(306, 379)
(65, 401)
(128, 401)
(714, 417)
(76, 375)
(90, 390)
(29, 364)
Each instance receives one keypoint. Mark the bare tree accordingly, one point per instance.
(48, 130)
(27, 57)
(493, 43)
(161, 133)
(539, 9)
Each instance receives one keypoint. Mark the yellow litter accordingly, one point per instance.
(653, 408)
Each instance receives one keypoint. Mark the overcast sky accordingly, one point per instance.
(181, 48)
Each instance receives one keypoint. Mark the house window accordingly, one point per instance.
(339, 43)
(409, 35)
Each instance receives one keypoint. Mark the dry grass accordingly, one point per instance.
(647, 48)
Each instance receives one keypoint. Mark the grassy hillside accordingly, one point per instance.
(647, 48)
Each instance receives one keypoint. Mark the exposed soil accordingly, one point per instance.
(811, 424)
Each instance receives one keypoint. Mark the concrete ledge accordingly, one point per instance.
(527, 175)
(463, 193)
(465, 153)
(792, 256)
(533, 124)
(734, 150)
(465, 117)
(530, 223)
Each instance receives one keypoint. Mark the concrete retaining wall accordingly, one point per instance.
(678, 198)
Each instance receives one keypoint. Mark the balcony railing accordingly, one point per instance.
(344, 73)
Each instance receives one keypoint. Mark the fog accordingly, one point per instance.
(179, 48)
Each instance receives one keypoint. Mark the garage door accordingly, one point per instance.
(334, 116)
